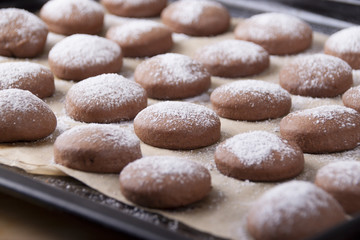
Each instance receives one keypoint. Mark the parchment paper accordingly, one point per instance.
(223, 212)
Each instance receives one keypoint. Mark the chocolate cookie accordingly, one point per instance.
(345, 45)
(104, 99)
(135, 8)
(33, 77)
(177, 125)
(164, 182)
(278, 33)
(172, 76)
(22, 33)
(24, 117)
(97, 148)
(250, 100)
(69, 17)
(80, 56)
(196, 18)
(141, 38)
(233, 58)
(316, 75)
(351, 98)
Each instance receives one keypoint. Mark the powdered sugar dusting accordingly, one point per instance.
(344, 41)
(131, 2)
(83, 49)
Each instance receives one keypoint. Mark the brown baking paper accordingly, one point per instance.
(223, 212)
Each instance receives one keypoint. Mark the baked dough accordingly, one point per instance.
(141, 38)
(259, 156)
(80, 56)
(172, 76)
(294, 210)
(278, 33)
(22, 33)
(317, 75)
(196, 18)
(24, 117)
(250, 100)
(69, 17)
(177, 125)
(135, 8)
(104, 99)
(164, 182)
(233, 58)
(97, 148)
(351, 98)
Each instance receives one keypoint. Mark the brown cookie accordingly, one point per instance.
(141, 38)
(97, 148)
(317, 75)
(233, 58)
(172, 76)
(250, 100)
(342, 181)
(135, 8)
(69, 17)
(278, 33)
(164, 182)
(323, 129)
(80, 56)
(345, 45)
(22, 33)
(177, 125)
(294, 210)
(33, 77)
(104, 99)
(196, 18)
(351, 98)
(24, 117)
(259, 156)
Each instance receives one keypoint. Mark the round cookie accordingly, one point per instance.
(342, 181)
(97, 148)
(351, 98)
(278, 33)
(250, 100)
(293, 210)
(324, 129)
(104, 99)
(135, 8)
(164, 182)
(196, 18)
(22, 33)
(33, 77)
(80, 56)
(69, 17)
(177, 125)
(24, 117)
(345, 44)
(141, 38)
(172, 76)
(233, 58)
(259, 156)
(317, 75)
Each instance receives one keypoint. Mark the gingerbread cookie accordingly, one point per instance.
(22, 33)
(24, 117)
(80, 56)
(97, 148)
(164, 182)
(233, 58)
(104, 99)
(141, 38)
(294, 210)
(316, 75)
(250, 100)
(196, 18)
(324, 129)
(345, 45)
(177, 125)
(172, 76)
(278, 33)
(135, 8)
(33, 77)
(351, 98)
(69, 17)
